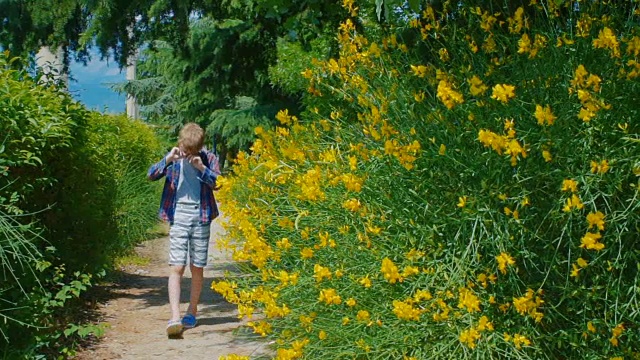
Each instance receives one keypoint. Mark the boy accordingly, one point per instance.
(189, 206)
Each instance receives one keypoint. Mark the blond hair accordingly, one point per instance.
(191, 138)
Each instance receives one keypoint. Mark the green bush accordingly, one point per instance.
(94, 216)
(73, 196)
(465, 186)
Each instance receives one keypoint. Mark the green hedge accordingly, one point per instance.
(73, 196)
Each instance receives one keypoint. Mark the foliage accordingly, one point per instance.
(93, 185)
(208, 85)
(292, 61)
(235, 126)
(465, 186)
(25, 25)
(73, 195)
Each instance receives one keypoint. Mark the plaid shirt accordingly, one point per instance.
(208, 207)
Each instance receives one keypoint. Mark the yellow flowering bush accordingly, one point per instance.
(460, 185)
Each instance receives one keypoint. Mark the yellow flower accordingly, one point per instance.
(320, 273)
(414, 254)
(419, 70)
(582, 262)
(615, 334)
(390, 271)
(234, 357)
(468, 300)
(353, 163)
(365, 281)
(503, 92)
(495, 141)
(422, 295)
(528, 305)
(410, 270)
(322, 335)
(518, 21)
(348, 4)
(484, 324)
(448, 95)
(607, 40)
(573, 203)
(363, 315)
(569, 185)
(524, 44)
(363, 345)
(544, 115)
(599, 168)
(487, 20)
(596, 220)
(307, 74)
(283, 117)
(590, 327)
(482, 279)
(507, 211)
(329, 296)
(406, 311)
(520, 340)
(261, 327)
(444, 55)
(477, 87)
(469, 337)
(462, 201)
(547, 155)
(306, 253)
(442, 150)
(352, 205)
(590, 241)
(283, 243)
(504, 260)
(351, 302)
(586, 115)
(575, 270)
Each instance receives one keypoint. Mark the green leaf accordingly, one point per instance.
(414, 5)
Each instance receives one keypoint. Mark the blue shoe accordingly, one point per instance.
(189, 321)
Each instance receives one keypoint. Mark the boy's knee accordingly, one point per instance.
(196, 269)
(177, 269)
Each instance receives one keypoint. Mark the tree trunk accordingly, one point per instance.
(52, 65)
(133, 110)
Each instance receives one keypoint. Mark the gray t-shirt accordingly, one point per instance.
(188, 184)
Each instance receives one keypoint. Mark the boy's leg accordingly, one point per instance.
(197, 277)
(199, 253)
(179, 234)
(175, 275)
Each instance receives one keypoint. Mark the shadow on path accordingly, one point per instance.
(135, 307)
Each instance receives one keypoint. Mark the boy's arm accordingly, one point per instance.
(211, 173)
(158, 170)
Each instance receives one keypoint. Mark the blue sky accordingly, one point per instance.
(90, 84)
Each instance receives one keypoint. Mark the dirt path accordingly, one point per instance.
(136, 310)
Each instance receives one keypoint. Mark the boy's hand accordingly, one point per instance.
(196, 161)
(174, 155)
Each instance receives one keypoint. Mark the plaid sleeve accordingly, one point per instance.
(211, 172)
(158, 170)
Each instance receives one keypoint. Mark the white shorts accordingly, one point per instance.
(187, 235)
